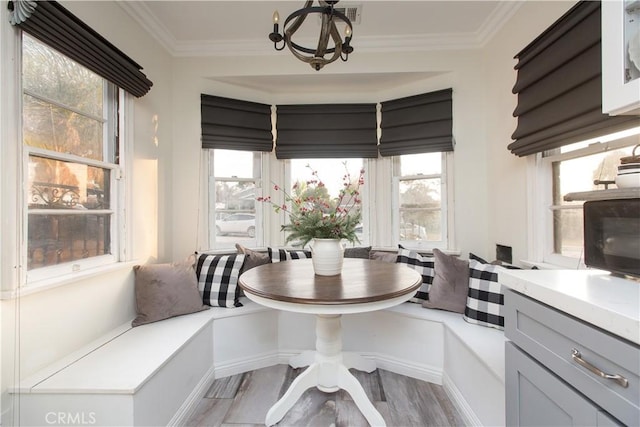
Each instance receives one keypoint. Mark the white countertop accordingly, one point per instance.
(608, 302)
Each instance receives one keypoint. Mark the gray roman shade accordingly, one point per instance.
(559, 85)
(54, 25)
(326, 131)
(417, 124)
(232, 124)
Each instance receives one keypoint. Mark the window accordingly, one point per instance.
(72, 164)
(233, 217)
(578, 167)
(421, 209)
(332, 173)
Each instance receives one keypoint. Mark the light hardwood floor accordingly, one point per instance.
(244, 399)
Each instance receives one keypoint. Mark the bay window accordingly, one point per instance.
(406, 196)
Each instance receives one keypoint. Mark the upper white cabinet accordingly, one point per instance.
(621, 57)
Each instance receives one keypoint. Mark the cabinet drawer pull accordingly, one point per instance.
(577, 357)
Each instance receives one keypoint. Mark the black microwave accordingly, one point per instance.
(612, 235)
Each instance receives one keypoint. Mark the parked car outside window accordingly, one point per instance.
(240, 223)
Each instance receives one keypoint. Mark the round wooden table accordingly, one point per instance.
(364, 285)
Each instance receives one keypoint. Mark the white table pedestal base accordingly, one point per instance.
(349, 360)
(328, 371)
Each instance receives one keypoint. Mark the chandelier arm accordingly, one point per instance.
(299, 15)
(310, 51)
(299, 55)
(326, 29)
(275, 45)
(337, 38)
(289, 30)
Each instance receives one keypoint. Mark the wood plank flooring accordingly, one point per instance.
(244, 399)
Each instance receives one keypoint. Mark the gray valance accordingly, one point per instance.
(233, 124)
(326, 131)
(559, 85)
(54, 25)
(417, 124)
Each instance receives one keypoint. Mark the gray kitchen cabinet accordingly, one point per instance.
(536, 397)
(557, 366)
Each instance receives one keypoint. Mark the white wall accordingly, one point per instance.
(48, 325)
(506, 173)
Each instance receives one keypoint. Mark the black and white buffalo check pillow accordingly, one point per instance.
(218, 279)
(278, 255)
(424, 266)
(485, 300)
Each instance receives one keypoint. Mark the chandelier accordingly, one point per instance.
(323, 54)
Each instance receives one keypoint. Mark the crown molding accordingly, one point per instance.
(141, 13)
(496, 20)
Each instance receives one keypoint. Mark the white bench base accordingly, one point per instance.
(156, 374)
(150, 375)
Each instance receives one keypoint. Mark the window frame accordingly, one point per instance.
(117, 114)
(446, 204)
(259, 166)
(542, 222)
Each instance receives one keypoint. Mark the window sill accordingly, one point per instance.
(549, 266)
(422, 250)
(67, 279)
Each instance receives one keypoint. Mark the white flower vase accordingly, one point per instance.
(327, 256)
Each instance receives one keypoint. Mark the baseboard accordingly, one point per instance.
(410, 369)
(467, 414)
(285, 355)
(245, 364)
(189, 406)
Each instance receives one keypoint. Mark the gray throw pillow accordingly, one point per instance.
(252, 258)
(383, 256)
(358, 252)
(450, 284)
(166, 290)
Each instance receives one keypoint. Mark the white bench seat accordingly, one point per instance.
(156, 374)
(124, 364)
(132, 376)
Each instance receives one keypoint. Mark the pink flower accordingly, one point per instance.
(275, 187)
